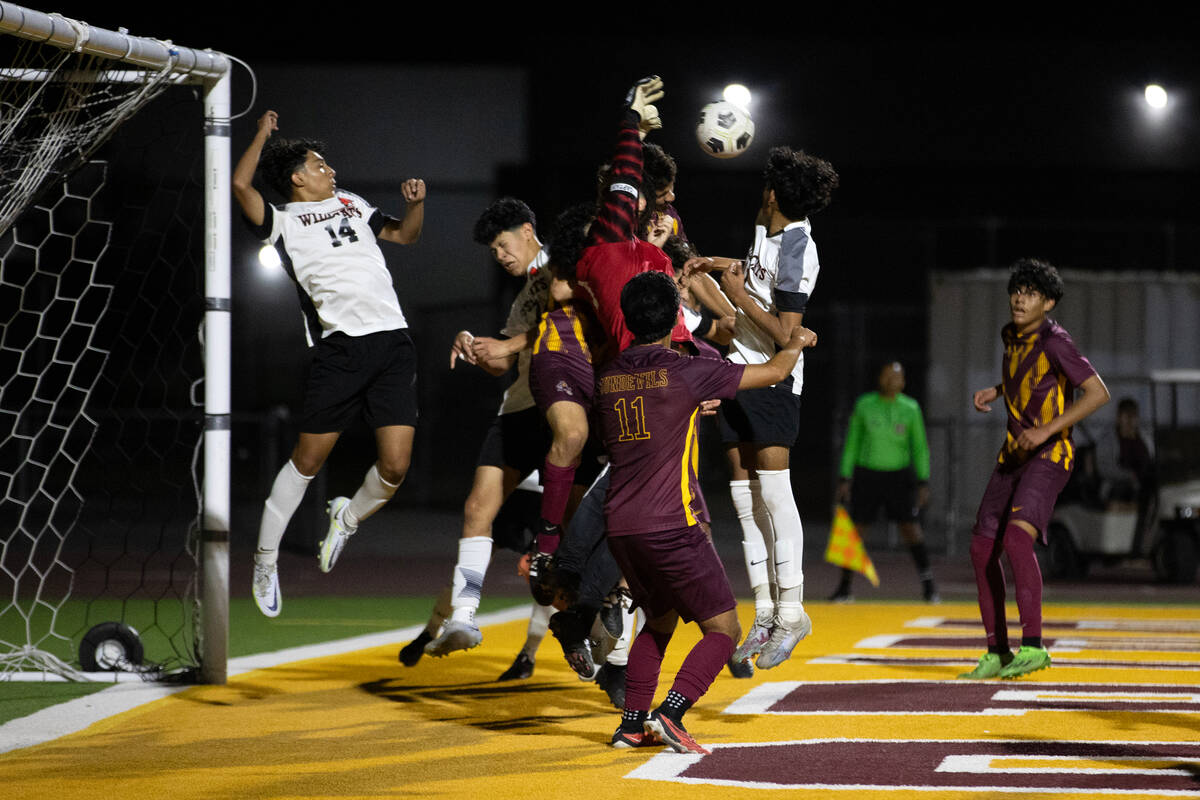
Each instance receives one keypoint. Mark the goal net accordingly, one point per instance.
(103, 313)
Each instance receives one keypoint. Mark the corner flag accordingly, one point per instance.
(846, 547)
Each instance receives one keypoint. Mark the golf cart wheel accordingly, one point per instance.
(110, 647)
(1176, 557)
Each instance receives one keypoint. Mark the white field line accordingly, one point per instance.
(75, 715)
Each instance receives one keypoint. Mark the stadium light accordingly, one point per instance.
(739, 95)
(268, 262)
(1156, 96)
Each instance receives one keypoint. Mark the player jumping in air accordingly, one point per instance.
(511, 450)
(648, 402)
(363, 359)
(1040, 372)
(771, 291)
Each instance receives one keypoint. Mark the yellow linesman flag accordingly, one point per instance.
(846, 547)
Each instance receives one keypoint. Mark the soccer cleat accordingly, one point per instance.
(411, 653)
(611, 678)
(1028, 659)
(613, 611)
(542, 584)
(741, 669)
(522, 668)
(455, 635)
(266, 589)
(783, 641)
(673, 734)
(841, 596)
(623, 740)
(989, 666)
(756, 639)
(570, 627)
(930, 592)
(335, 539)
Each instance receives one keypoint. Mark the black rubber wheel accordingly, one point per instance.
(1062, 560)
(110, 647)
(1177, 557)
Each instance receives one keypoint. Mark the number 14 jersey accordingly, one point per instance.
(329, 248)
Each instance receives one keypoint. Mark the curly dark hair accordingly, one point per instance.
(566, 244)
(650, 303)
(503, 215)
(658, 168)
(1033, 273)
(281, 158)
(679, 251)
(803, 184)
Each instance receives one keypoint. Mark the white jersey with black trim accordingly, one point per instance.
(524, 315)
(329, 249)
(781, 272)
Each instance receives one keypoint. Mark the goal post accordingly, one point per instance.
(55, 141)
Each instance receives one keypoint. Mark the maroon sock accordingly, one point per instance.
(1027, 576)
(641, 673)
(702, 665)
(989, 583)
(556, 490)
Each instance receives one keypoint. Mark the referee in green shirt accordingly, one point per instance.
(886, 463)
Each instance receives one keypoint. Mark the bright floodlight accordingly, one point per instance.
(268, 259)
(1156, 96)
(737, 94)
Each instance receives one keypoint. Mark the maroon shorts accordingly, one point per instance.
(674, 570)
(555, 376)
(1027, 493)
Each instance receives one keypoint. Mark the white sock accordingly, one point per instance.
(286, 494)
(789, 534)
(474, 554)
(369, 498)
(754, 546)
(539, 622)
(441, 610)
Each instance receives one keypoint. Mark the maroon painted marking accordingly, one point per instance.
(933, 697)
(1155, 643)
(900, 764)
(1127, 625)
(1058, 662)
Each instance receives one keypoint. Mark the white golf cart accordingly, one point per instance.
(1162, 523)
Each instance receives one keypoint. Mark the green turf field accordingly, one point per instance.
(306, 620)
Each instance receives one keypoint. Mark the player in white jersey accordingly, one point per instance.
(363, 359)
(770, 291)
(511, 451)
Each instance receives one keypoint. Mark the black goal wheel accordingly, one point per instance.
(110, 647)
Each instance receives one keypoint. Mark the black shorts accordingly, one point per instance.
(895, 490)
(770, 415)
(518, 440)
(375, 375)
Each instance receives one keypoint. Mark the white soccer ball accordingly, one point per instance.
(724, 130)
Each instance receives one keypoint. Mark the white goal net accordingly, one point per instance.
(106, 395)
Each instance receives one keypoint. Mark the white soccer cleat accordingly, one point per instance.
(339, 532)
(783, 641)
(266, 589)
(455, 635)
(756, 639)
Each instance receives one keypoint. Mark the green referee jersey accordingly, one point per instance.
(886, 435)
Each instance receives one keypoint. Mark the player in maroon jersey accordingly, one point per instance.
(647, 404)
(1041, 370)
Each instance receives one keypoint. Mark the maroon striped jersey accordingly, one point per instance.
(648, 401)
(1041, 371)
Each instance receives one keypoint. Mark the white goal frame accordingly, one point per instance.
(211, 70)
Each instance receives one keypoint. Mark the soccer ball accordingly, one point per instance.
(724, 130)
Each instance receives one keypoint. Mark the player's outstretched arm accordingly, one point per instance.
(756, 376)
(252, 203)
(407, 230)
(616, 219)
(778, 326)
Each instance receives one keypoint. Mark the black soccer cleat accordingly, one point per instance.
(522, 668)
(611, 678)
(542, 583)
(411, 653)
